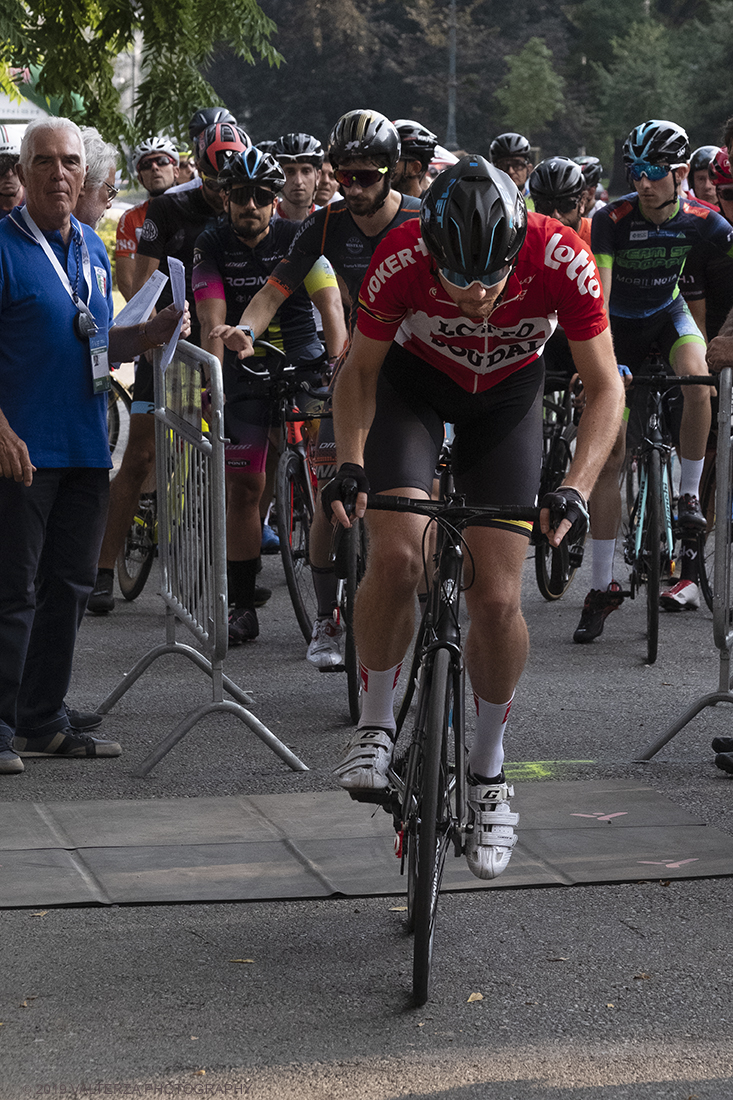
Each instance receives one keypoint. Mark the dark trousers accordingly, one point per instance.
(50, 537)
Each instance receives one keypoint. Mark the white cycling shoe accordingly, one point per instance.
(324, 650)
(490, 844)
(367, 759)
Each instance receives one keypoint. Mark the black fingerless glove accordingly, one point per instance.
(567, 503)
(348, 481)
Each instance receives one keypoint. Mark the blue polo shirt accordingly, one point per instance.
(46, 387)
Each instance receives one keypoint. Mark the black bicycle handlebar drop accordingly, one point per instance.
(337, 555)
(667, 381)
(455, 510)
(285, 374)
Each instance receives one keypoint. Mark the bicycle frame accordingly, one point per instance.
(653, 441)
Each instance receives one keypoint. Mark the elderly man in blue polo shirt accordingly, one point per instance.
(55, 346)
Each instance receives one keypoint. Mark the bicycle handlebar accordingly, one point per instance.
(455, 509)
(666, 381)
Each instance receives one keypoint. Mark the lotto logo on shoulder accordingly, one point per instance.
(581, 269)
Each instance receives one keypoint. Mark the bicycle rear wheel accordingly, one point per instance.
(135, 559)
(651, 549)
(432, 827)
(294, 518)
(118, 419)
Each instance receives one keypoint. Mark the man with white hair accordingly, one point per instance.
(55, 343)
(99, 188)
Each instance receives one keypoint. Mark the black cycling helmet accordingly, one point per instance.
(592, 170)
(557, 178)
(252, 168)
(298, 149)
(213, 145)
(364, 134)
(700, 159)
(265, 146)
(208, 116)
(509, 145)
(416, 141)
(473, 220)
(657, 142)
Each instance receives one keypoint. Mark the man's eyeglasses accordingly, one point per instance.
(724, 193)
(365, 177)
(8, 163)
(517, 163)
(112, 192)
(212, 183)
(652, 172)
(240, 196)
(549, 206)
(488, 280)
(161, 161)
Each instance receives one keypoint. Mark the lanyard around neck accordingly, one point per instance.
(82, 306)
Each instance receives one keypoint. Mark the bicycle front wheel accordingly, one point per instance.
(651, 549)
(135, 559)
(433, 822)
(294, 518)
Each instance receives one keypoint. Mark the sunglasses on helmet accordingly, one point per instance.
(212, 182)
(487, 280)
(549, 206)
(155, 162)
(652, 171)
(365, 177)
(240, 196)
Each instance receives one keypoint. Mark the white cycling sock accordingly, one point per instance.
(690, 474)
(487, 752)
(377, 697)
(602, 563)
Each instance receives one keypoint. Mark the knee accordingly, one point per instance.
(397, 564)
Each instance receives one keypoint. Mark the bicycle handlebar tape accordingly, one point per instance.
(569, 504)
(338, 488)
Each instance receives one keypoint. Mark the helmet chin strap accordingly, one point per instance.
(669, 202)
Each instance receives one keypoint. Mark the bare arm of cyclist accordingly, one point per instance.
(211, 313)
(144, 267)
(125, 275)
(327, 301)
(353, 407)
(257, 315)
(599, 424)
(605, 274)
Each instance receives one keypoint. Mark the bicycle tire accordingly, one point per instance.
(355, 565)
(135, 559)
(432, 828)
(553, 571)
(651, 548)
(706, 540)
(118, 415)
(294, 518)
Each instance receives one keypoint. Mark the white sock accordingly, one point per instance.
(602, 563)
(487, 752)
(377, 697)
(690, 474)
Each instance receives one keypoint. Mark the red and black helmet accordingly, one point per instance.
(213, 145)
(719, 169)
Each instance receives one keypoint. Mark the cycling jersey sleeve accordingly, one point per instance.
(154, 234)
(305, 251)
(573, 282)
(320, 276)
(126, 240)
(207, 281)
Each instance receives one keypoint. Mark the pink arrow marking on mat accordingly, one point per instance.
(601, 816)
(671, 866)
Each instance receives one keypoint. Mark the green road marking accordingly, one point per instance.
(538, 769)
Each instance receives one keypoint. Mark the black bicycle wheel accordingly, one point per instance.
(651, 549)
(355, 566)
(433, 818)
(118, 419)
(294, 518)
(706, 541)
(135, 559)
(553, 569)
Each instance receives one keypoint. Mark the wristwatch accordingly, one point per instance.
(248, 331)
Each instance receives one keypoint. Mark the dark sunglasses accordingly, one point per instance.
(725, 193)
(112, 192)
(651, 171)
(155, 162)
(549, 206)
(365, 177)
(212, 183)
(240, 196)
(490, 279)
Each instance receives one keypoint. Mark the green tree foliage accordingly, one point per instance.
(75, 43)
(707, 64)
(533, 92)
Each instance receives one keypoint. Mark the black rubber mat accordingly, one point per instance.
(324, 844)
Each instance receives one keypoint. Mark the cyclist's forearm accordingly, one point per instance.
(354, 403)
(262, 308)
(604, 403)
(328, 303)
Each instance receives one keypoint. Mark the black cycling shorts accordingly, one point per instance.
(143, 395)
(497, 449)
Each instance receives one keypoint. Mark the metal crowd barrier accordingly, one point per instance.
(722, 626)
(192, 543)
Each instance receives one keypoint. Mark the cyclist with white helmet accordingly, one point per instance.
(155, 161)
(417, 148)
(12, 193)
(300, 156)
(454, 313)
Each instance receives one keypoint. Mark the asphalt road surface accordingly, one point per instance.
(619, 992)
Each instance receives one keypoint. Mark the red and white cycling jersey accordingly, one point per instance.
(555, 279)
(129, 228)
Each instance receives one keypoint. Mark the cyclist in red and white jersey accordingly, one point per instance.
(454, 313)
(155, 161)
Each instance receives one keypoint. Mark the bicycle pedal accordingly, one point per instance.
(333, 668)
(375, 798)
